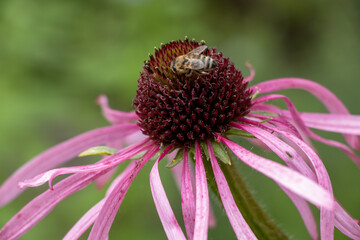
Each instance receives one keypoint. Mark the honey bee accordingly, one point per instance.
(193, 62)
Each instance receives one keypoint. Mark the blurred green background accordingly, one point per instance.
(56, 57)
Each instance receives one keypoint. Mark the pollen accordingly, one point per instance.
(179, 109)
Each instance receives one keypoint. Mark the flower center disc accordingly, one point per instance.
(179, 109)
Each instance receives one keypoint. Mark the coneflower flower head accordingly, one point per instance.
(190, 119)
(178, 109)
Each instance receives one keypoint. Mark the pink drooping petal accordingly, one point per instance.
(166, 214)
(107, 163)
(252, 73)
(330, 101)
(346, 224)
(328, 122)
(301, 125)
(84, 222)
(42, 205)
(187, 197)
(305, 211)
(294, 162)
(343, 221)
(113, 201)
(294, 113)
(263, 107)
(327, 217)
(59, 154)
(118, 144)
(202, 197)
(290, 179)
(289, 155)
(280, 122)
(102, 180)
(135, 137)
(237, 221)
(90, 216)
(332, 122)
(348, 124)
(115, 116)
(177, 172)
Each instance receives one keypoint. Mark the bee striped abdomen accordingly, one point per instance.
(209, 63)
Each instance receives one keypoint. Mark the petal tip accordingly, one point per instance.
(101, 100)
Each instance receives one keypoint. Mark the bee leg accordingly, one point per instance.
(189, 73)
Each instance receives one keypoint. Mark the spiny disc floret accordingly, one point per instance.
(178, 109)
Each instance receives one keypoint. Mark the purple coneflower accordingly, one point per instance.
(190, 119)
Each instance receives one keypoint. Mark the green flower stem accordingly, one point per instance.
(260, 223)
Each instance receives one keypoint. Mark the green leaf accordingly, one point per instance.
(205, 150)
(221, 153)
(138, 156)
(98, 150)
(156, 156)
(240, 133)
(266, 113)
(177, 159)
(255, 95)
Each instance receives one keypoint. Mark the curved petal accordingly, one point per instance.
(102, 180)
(332, 122)
(202, 197)
(349, 124)
(113, 201)
(166, 214)
(90, 216)
(60, 154)
(115, 116)
(107, 163)
(305, 212)
(295, 162)
(187, 197)
(291, 157)
(84, 222)
(298, 121)
(237, 221)
(346, 224)
(330, 101)
(282, 150)
(42, 205)
(252, 73)
(343, 221)
(290, 179)
(177, 172)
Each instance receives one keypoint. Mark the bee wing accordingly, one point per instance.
(198, 50)
(194, 64)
